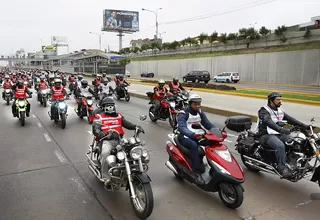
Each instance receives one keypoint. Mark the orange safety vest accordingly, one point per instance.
(175, 87)
(57, 93)
(20, 92)
(109, 122)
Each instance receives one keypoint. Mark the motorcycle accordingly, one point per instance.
(167, 110)
(127, 167)
(36, 83)
(60, 113)
(21, 107)
(30, 82)
(86, 108)
(123, 93)
(8, 95)
(43, 97)
(182, 99)
(301, 148)
(72, 86)
(222, 171)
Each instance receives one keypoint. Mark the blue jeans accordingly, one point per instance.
(193, 148)
(276, 142)
(53, 103)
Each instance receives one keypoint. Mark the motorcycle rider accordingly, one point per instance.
(71, 78)
(42, 85)
(7, 84)
(105, 88)
(83, 91)
(175, 85)
(120, 82)
(57, 92)
(190, 137)
(159, 92)
(20, 91)
(271, 134)
(106, 120)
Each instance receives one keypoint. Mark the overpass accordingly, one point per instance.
(22, 59)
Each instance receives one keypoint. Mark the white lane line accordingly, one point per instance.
(47, 137)
(90, 132)
(39, 124)
(226, 140)
(33, 116)
(60, 156)
(232, 135)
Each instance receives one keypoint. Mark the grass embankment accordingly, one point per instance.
(282, 48)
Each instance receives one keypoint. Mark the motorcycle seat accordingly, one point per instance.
(185, 150)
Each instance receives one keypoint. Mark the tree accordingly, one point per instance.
(155, 45)
(234, 38)
(202, 37)
(174, 45)
(212, 38)
(125, 61)
(307, 34)
(280, 31)
(135, 49)
(183, 42)
(166, 46)
(265, 33)
(223, 38)
(145, 47)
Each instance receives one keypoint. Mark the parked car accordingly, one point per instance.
(147, 74)
(227, 77)
(197, 76)
(127, 73)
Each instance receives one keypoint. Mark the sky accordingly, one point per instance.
(28, 24)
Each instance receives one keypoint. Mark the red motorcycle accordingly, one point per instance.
(86, 109)
(222, 171)
(167, 110)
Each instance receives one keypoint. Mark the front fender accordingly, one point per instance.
(141, 177)
(316, 176)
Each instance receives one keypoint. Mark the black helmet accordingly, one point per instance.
(80, 77)
(108, 105)
(84, 83)
(175, 80)
(72, 75)
(121, 77)
(20, 82)
(273, 95)
(57, 82)
(105, 81)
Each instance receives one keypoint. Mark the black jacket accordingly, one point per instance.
(266, 121)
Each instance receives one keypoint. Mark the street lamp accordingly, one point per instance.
(99, 37)
(156, 13)
(162, 34)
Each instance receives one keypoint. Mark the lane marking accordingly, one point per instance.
(77, 185)
(90, 132)
(33, 116)
(226, 140)
(60, 156)
(47, 137)
(39, 124)
(232, 135)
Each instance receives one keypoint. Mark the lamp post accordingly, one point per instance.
(162, 34)
(99, 38)
(156, 13)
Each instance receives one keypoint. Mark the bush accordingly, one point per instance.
(198, 85)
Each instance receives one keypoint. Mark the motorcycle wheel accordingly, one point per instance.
(44, 102)
(234, 201)
(8, 100)
(127, 97)
(173, 121)
(248, 166)
(63, 120)
(89, 115)
(22, 118)
(142, 207)
(151, 109)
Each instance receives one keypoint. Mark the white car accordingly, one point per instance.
(227, 77)
(127, 73)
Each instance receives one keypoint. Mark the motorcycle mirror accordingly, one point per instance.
(313, 119)
(97, 105)
(196, 126)
(143, 117)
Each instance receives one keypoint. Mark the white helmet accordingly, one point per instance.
(194, 98)
(161, 81)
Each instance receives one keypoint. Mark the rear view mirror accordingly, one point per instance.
(196, 126)
(313, 120)
(143, 117)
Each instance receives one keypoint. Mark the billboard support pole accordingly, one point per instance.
(120, 39)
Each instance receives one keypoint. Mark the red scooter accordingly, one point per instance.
(222, 171)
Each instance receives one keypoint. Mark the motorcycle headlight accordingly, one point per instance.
(21, 103)
(62, 105)
(145, 156)
(136, 153)
(44, 91)
(184, 97)
(120, 155)
(224, 154)
(90, 102)
(172, 104)
(8, 90)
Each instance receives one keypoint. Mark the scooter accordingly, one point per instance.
(222, 171)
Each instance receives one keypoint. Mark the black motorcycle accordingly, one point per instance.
(301, 148)
(60, 113)
(181, 99)
(122, 92)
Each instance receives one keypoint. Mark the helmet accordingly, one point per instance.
(121, 77)
(84, 83)
(98, 75)
(117, 75)
(57, 82)
(80, 77)
(42, 78)
(104, 74)
(175, 80)
(161, 83)
(72, 75)
(194, 98)
(108, 105)
(20, 82)
(7, 77)
(105, 81)
(13, 74)
(273, 95)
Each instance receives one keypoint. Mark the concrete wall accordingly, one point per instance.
(294, 67)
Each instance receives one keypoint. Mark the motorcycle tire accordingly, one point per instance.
(238, 192)
(22, 118)
(127, 98)
(44, 102)
(89, 115)
(173, 121)
(152, 118)
(149, 201)
(8, 101)
(248, 166)
(63, 120)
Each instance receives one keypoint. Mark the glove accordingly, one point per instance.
(139, 128)
(285, 131)
(101, 135)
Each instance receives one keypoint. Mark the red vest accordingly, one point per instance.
(71, 79)
(7, 84)
(175, 87)
(42, 85)
(20, 93)
(57, 93)
(161, 92)
(108, 122)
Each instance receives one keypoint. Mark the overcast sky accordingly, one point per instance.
(24, 23)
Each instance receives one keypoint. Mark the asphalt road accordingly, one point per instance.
(243, 85)
(44, 175)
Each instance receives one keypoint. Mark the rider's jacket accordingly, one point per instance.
(174, 88)
(42, 85)
(161, 92)
(186, 118)
(104, 88)
(71, 78)
(57, 93)
(7, 84)
(20, 92)
(85, 91)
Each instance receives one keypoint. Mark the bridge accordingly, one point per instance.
(22, 59)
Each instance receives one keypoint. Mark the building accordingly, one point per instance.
(138, 43)
(314, 23)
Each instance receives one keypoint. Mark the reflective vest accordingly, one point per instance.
(57, 93)
(108, 122)
(20, 92)
(175, 87)
(193, 119)
(43, 85)
(71, 79)
(275, 116)
(161, 92)
(120, 82)
(7, 84)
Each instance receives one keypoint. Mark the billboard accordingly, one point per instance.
(119, 20)
(59, 41)
(49, 50)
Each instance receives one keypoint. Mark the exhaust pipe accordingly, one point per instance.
(95, 172)
(269, 169)
(171, 167)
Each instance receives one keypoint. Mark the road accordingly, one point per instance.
(245, 85)
(44, 175)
